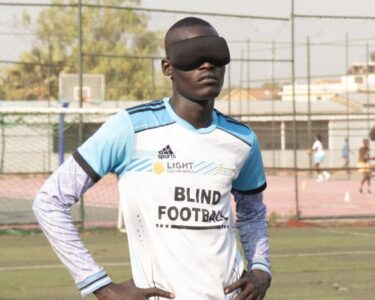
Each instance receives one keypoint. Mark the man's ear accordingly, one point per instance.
(166, 67)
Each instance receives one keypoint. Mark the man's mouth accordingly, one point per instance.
(208, 79)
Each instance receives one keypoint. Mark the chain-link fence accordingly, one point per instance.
(292, 75)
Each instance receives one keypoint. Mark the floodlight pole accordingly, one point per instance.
(367, 87)
(80, 67)
(80, 82)
(347, 92)
(152, 79)
(309, 133)
(229, 91)
(273, 104)
(241, 80)
(294, 114)
(61, 135)
(248, 76)
(2, 125)
(49, 103)
(80, 71)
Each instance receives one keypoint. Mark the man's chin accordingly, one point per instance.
(208, 95)
(203, 95)
(204, 98)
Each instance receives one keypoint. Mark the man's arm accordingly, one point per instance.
(253, 230)
(253, 233)
(52, 208)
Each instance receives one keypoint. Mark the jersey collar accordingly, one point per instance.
(186, 124)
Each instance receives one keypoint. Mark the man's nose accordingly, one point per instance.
(207, 65)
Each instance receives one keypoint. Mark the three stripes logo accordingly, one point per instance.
(166, 152)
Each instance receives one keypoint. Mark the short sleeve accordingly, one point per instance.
(251, 179)
(109, 149)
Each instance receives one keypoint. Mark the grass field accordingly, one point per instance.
(315, 263)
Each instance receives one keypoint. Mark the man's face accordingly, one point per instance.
(203, 82)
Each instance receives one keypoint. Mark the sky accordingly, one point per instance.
(253, 38)
(279, 8)
(328, 53)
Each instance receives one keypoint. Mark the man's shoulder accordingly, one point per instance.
(235, 127)
(153, 105)
(149, 115)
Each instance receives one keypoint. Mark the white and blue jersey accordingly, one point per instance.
(175, 183)
(318, 152)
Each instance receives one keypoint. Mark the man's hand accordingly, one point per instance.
(128, 291)
(253, 285)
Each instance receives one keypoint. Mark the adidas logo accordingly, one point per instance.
(166, 152)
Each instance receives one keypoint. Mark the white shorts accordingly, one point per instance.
(318, 158)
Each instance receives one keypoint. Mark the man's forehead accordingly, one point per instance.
(189, 32)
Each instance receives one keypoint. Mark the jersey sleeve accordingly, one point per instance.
(251, 179)
(52, 208)
(253, 230)
(109, 149)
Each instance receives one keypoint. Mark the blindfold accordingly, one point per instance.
(191, 53)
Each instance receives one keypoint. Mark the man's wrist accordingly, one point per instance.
(265, 277)
(260, 266)
(94, 283)
(100, 292)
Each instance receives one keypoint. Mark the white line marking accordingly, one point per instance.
(125, 264)
(348, 232)
(41, 267)
(325, 254)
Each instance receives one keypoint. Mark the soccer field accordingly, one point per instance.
(335, 263)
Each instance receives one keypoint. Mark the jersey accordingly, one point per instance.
(318, 151)
(174, 184)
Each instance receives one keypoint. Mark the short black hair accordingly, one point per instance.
(188, 22)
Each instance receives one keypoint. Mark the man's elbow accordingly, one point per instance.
(253, 216)
(36, 206)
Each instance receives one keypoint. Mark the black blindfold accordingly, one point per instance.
(191, 53)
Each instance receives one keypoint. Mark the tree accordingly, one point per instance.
(110, 37)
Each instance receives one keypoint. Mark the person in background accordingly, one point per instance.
(318, 152)
(345, 153)
(364, 166)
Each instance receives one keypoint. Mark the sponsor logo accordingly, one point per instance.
(158, 168)
(207, 168)
(194, 209)
(166, 153)
(172, 167)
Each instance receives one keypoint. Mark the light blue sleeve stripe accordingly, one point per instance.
(260, 266)
(91, 279)
(95, 286)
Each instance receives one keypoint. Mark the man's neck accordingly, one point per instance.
(197, 113)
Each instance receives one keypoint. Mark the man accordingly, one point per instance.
(318, 151)
(364, 166)
(177, 161)
(345, 153)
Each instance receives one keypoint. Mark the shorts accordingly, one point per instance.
(364, 167)
(318, 158)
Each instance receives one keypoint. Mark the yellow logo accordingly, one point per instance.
(158, 168)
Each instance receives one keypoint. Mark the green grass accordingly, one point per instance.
(324, 264)
(308, 263)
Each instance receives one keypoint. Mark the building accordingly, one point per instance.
(336, 109)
